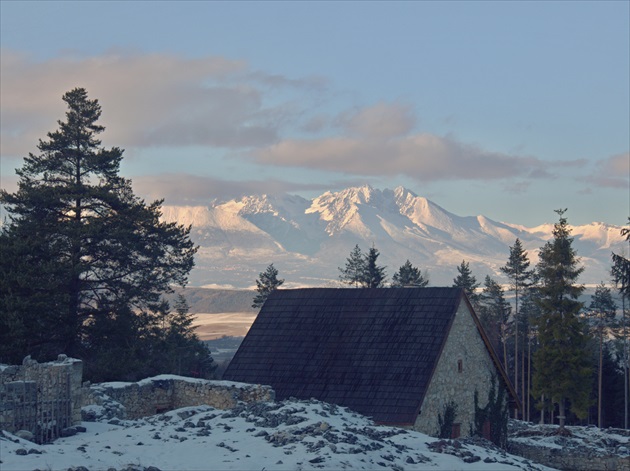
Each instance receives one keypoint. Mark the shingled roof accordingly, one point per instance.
(372, 350)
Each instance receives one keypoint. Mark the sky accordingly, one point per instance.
(507, 109)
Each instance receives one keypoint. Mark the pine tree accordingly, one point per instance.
(409, 276)
(562, 366)
(603, 309)
(354, 271)
(466, 280)
(520, 277)
(266, 283)
(621, 276)
(81, 254)
(621, 267)
(494, 314)
(374, 275)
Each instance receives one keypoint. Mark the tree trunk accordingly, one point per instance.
(561, 416)
(599, 385)
(516, 347)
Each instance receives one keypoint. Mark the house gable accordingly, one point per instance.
(465, 365)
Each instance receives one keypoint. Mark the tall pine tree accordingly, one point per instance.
(562, 366)
(494, 314)
(82, 256)
(517, 271)
(603, 309)
(374, 275)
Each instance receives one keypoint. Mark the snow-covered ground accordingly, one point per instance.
(288, 435)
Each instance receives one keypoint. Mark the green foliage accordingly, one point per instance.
(82, 256)
(494, 312)
(362, 270)
(465, 279)
(621, 267)
(354, 270)
(446, 420)
(374, 275)
(495, 413)
(266, 283)
(562, 367)
(409, 276)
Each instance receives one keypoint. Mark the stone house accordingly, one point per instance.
(398, 355)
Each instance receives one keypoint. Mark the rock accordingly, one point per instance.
(21, 452)
(68, 432)
(25, 435)
(33, 451)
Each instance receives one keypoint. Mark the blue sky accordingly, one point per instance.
(507, 109)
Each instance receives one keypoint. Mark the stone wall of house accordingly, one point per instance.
(41, 398)
(570, 459)
(464, 344)
(167, 392)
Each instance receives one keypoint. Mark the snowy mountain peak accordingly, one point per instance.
(309, 239)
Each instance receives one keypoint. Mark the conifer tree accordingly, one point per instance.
(516, 269)
(374, 275)
(465, 279)
(354, 271)
(409, 276)
(603, 308)
(83, 257)
(562, 367)
(266, 283)
(494, 314)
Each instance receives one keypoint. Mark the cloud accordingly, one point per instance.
(383, 120)
(611, 172)
(423, 157)
(187, 189)
(148, 99)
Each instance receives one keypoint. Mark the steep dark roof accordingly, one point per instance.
(372, 350)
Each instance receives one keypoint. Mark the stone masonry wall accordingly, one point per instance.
(41, 398)
(167, 392)
(570, 459)
(448, 384)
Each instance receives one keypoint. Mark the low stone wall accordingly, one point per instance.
(570, 459)
(167, 392)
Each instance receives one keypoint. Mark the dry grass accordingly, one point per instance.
(214, 326)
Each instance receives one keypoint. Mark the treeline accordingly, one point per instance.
(85, 264)
(567, 360)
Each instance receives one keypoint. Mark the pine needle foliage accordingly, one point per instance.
(266, 283)
(83, 258)
(465, 279)
(563, 370)
(409, 276)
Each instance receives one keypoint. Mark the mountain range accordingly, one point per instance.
(307, 240)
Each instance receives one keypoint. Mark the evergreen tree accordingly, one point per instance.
(603, 309)
(621, 277)
(516, 269)
(494, 314)
(621, 267)
(82, 256)
(409, 276)
(374, 275)
(467, 280)
(354, 271)
(266, 283)
(562, 367)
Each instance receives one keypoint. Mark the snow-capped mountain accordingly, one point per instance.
(307, 240)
